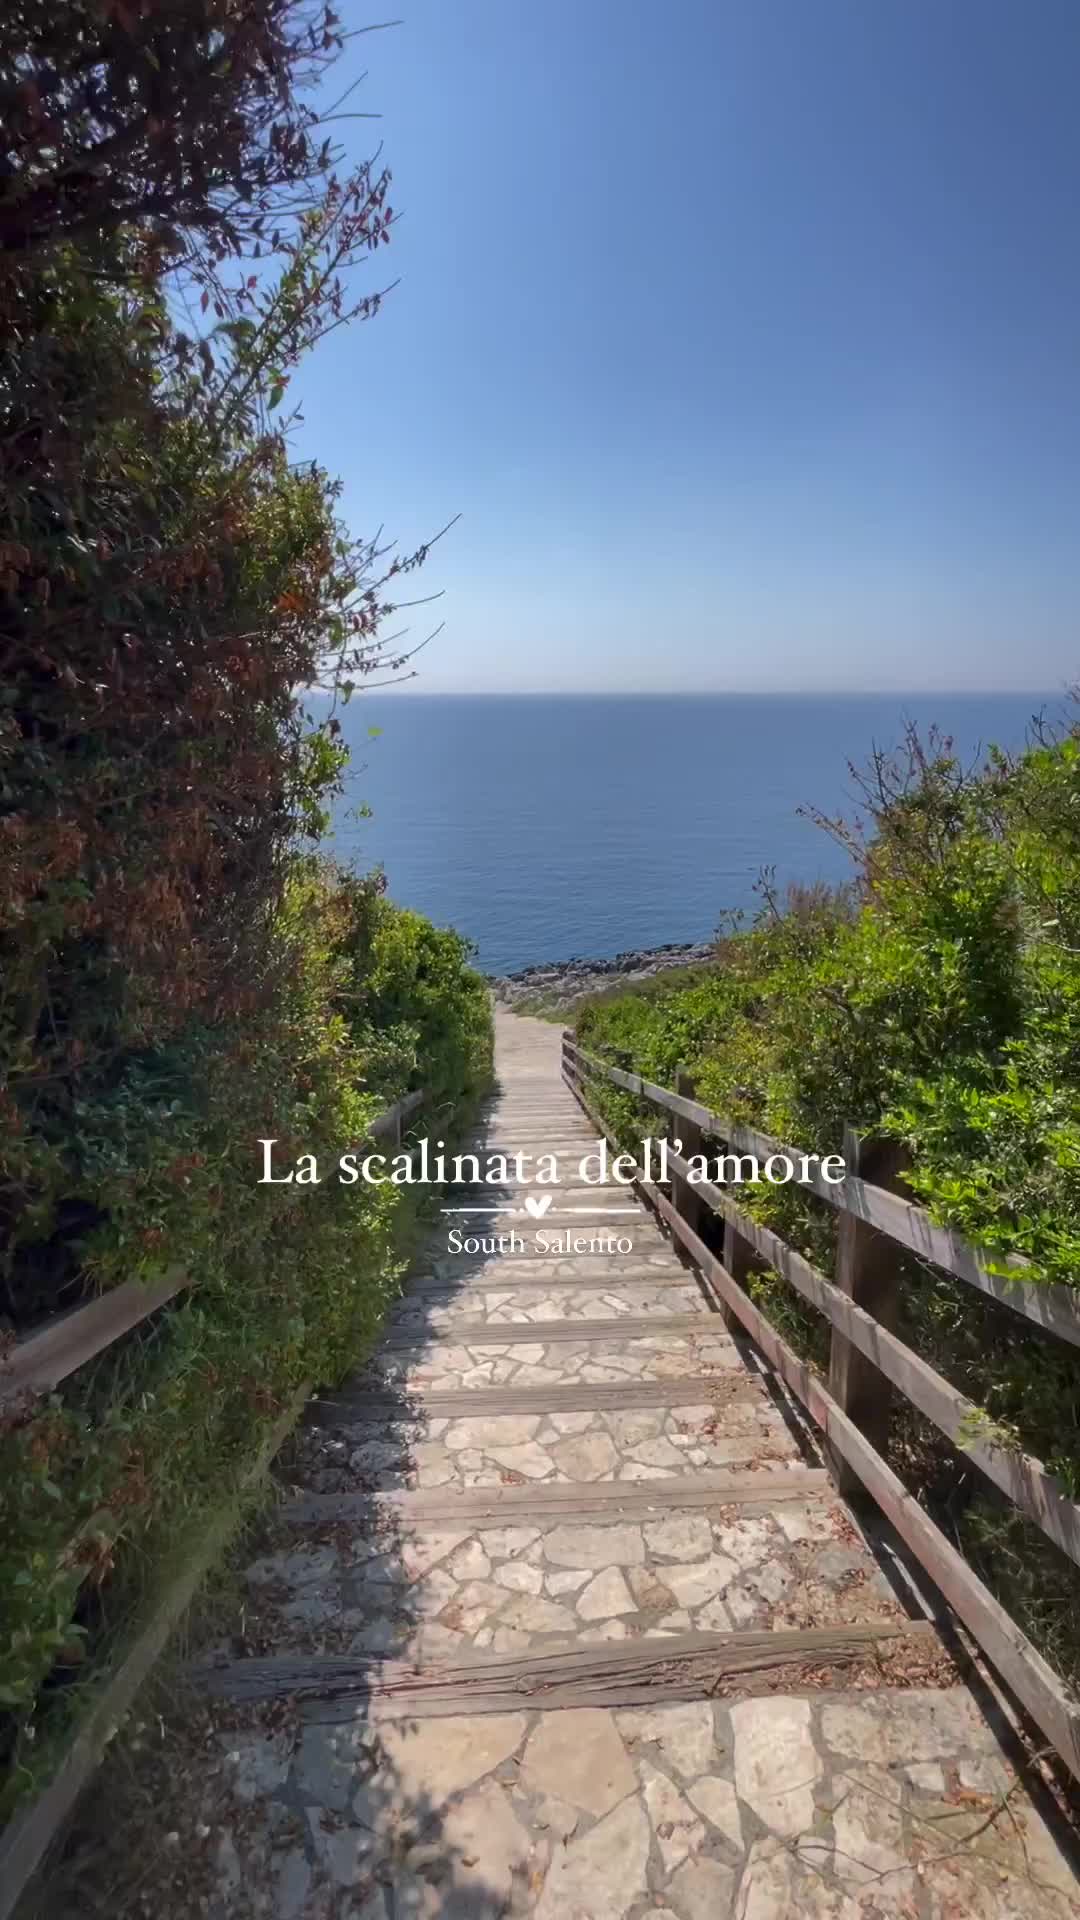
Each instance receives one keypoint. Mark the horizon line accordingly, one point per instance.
(1060, 692)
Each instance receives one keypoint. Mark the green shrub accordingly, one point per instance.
(178, 977)
(287, 1286)
(937, 1002)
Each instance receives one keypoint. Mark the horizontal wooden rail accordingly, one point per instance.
(34, 1828)
(1042, 1692)
(66, 1342)
(391, 1121)
(1054, 1307)
(69, 1340)
(35, 1366)
(1019, 1475)
(1024, 1479)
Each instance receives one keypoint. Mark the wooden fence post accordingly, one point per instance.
(686, 1199)
(867, 1270)
(569, 1064)
(741, 1261)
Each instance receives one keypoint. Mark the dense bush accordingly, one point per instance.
(179, 975)
(935, 1001)
(287, 1287)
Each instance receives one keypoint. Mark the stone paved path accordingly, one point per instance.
(565, 1466)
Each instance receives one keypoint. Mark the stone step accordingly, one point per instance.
(615, 1207)
(486, 1437)
(486, 1269)
(456, 1314)
(501, 1209)
(704, 1394)
(512, 1584)
(483, 1528)
(813, 1802)
(470, 1354)
(514, 1505)
(671, 1276)
(569, 1150)
(517, 1332)
(569, 1179)
(536, 1126)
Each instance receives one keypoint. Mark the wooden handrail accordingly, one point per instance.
(1019, 1475)
(1043, 1693)
(33, 1829)
(1024, 1479)
(1050, 1305)
(36, 1365)
(68, 1340)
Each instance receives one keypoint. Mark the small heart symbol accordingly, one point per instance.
(539, 1205)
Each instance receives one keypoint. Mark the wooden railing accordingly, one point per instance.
(867, 1358)
(35, 1366)
(67, 1341)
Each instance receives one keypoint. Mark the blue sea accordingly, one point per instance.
(548, 827)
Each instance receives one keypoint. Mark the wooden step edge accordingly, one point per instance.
(528, 1131)
(590, 1396)
(429, 1283)
(655, 1668)
(568, 1501)
(521, 1333)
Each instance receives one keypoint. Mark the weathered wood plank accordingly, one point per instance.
(684, 1197)
(1051, 1306)
(39, 1363)
(528, 1332)
(664, 1277)
(868, 1273)
(389, 1123)
(554, 1138)
(588, 1397)
(691, 1666)
(564, 1500)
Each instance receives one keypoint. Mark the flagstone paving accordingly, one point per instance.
(525, 1305)
(475, 1500)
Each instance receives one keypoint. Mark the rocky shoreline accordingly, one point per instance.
(559, 983)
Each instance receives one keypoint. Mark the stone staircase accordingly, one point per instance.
(560, 1616)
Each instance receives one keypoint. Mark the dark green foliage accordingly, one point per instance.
(288, 1285)
(179, 977)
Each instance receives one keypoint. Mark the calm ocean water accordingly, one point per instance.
(547, 827)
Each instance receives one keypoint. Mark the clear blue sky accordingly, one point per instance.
(743, 334)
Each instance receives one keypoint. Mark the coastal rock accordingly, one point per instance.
(560, 983)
